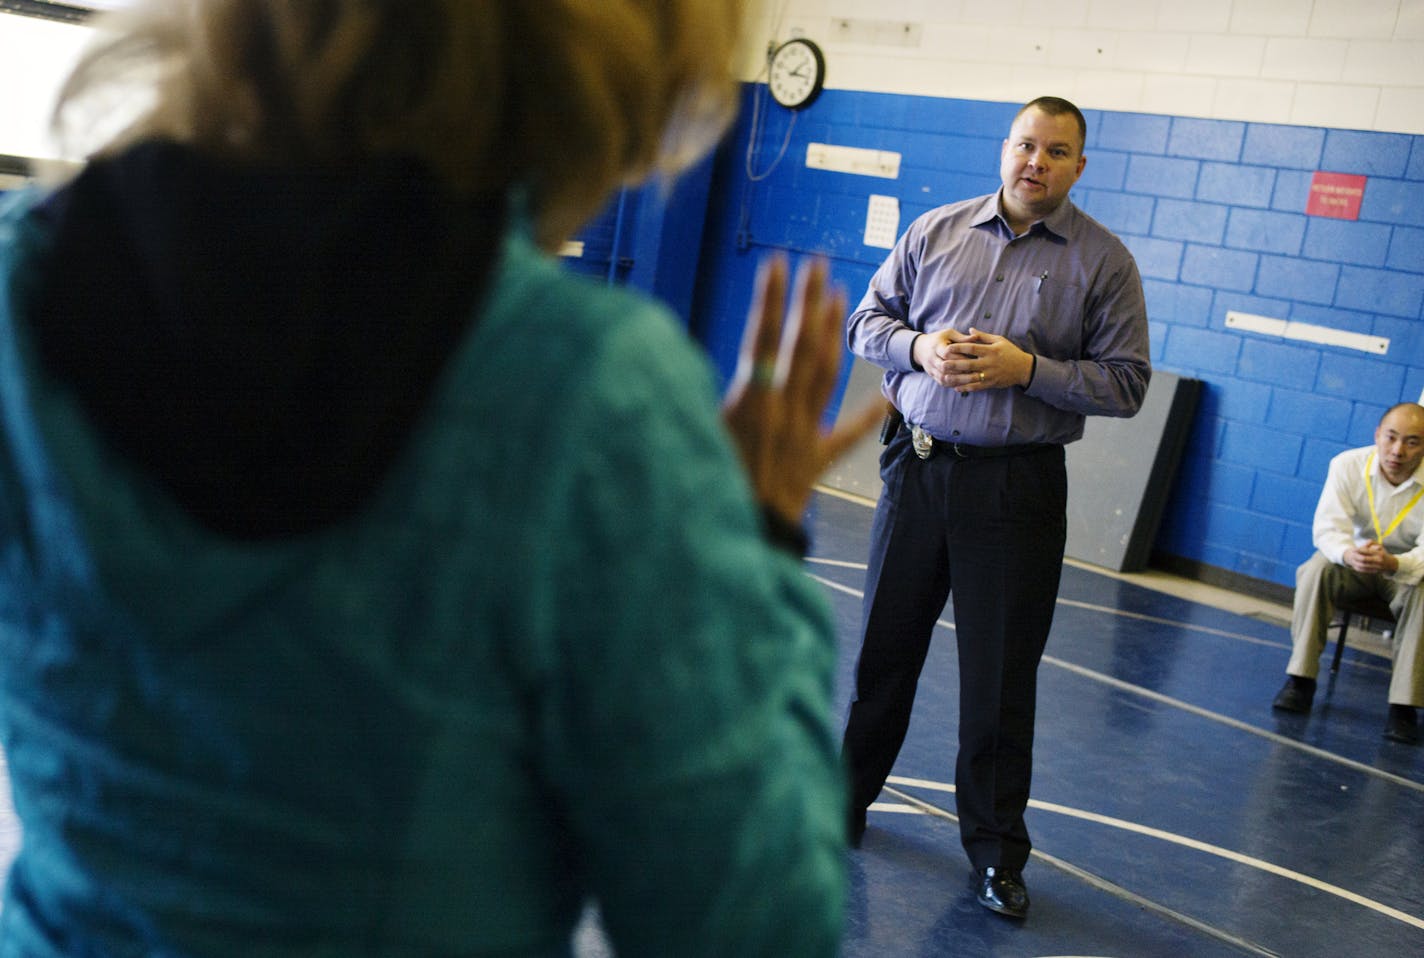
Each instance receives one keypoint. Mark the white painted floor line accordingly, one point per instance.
(866, 501)
(1202, 628)
(1102, 884)
(1187, 706)
(1105, 609)
(1141, 617)
(1180, 587)
(838, 563)
(830, 584)
(1235, 723)
(894, 808)
(1111, 888)
(924, 783)
(861, 595)
(1182, 840)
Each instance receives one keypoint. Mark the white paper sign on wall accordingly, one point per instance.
(882, 221)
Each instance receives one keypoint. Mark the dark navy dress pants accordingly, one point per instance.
(990, 532)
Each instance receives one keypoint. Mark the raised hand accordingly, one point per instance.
(789, 364)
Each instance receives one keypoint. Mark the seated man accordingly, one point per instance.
(1368, 533)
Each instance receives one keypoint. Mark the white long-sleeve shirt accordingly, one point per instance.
(1343, 518)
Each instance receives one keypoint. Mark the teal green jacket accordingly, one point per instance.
(551, 660)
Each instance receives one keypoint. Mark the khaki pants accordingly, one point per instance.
(1319, 583)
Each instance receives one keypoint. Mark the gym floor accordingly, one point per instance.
(1173, 813)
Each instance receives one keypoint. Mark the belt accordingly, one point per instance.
(926, 445)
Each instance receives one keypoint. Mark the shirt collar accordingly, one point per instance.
(1415, 478)
(1055, 222)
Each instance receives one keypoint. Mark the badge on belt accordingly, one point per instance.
(922, 441)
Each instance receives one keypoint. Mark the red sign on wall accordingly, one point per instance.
(1336, 195)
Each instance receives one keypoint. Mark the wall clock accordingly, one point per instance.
(797, 73)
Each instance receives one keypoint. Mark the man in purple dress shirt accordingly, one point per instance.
(1001, 322)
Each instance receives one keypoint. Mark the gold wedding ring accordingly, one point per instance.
(764, 373)
(981, 376)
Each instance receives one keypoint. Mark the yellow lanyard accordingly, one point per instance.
(1370, 490)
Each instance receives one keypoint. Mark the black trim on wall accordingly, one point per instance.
(15, 165)
(1223, 578)
(63, 12)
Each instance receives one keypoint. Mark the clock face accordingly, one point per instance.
(797, 72)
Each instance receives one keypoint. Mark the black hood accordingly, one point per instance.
(261, 341)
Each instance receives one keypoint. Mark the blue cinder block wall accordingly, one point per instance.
(1213, 210)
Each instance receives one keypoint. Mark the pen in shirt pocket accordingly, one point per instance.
(1038, 286)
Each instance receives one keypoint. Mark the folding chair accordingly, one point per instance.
(1370, 607)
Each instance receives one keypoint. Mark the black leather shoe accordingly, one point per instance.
(1402, 725)
(1001, 890)
(1296, 695)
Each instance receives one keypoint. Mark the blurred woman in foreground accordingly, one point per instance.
(370, 585)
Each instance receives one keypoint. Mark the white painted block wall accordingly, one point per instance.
(1344, 64)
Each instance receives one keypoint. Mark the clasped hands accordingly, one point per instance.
(972, 361)
(1371, 559)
